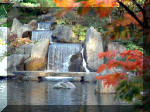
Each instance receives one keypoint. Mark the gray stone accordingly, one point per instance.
(116, 46)
(64, 85)
(15, 62)
(16, 26)
(24, 50)
(19, 29)
(40, 49)
(64, 33)
(25, 28)
(93, 46)
(76, 63)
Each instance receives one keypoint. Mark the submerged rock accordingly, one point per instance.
(64, 85)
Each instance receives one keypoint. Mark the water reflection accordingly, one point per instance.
(34, 93)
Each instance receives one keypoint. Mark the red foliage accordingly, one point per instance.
(133, 62)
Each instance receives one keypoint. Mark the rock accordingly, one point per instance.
(40, 49)
(38, 60)
(12, 37)
(63, 33)
(35, 64)
(27, 34)
(34, 24)
(93, 46)
(101, 88)
(24, 50)
(64, 85)
(116, 46)
(25, 29)
(19, 29)
(16, 26)
(76, 63)
(15, 62)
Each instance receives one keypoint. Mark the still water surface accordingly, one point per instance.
(43, 93)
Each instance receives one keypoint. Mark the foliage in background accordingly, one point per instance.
(80, 31)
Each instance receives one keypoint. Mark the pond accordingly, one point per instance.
(43, 93)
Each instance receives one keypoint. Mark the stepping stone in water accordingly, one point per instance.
(64, 85)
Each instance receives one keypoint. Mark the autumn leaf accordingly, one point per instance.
(66, 3)
(101, 68)
(111, 79)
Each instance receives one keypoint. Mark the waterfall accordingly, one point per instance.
(59, 56)
(84, 62)
(43, 31)
(44, 26)
(39, 34)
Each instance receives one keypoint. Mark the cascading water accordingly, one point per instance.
(84, 62)
(44, 26)
(59, 56)
(39, 34)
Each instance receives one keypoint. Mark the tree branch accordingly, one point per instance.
(131, 13)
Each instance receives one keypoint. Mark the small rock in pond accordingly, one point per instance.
(64, 85)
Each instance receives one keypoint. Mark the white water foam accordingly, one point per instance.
(84, 62)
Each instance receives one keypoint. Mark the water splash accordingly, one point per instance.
(44, 26)
(84, 62)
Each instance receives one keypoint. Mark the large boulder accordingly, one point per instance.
(38, 59)
(93, 46)
(20, 29)
(16, 26)
(35, 64)
(15, 62)
(76, 63)
(63, 33)
(64, 85)
(40, 49)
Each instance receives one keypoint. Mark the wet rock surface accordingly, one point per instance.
(64, 85)
(76, 63)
